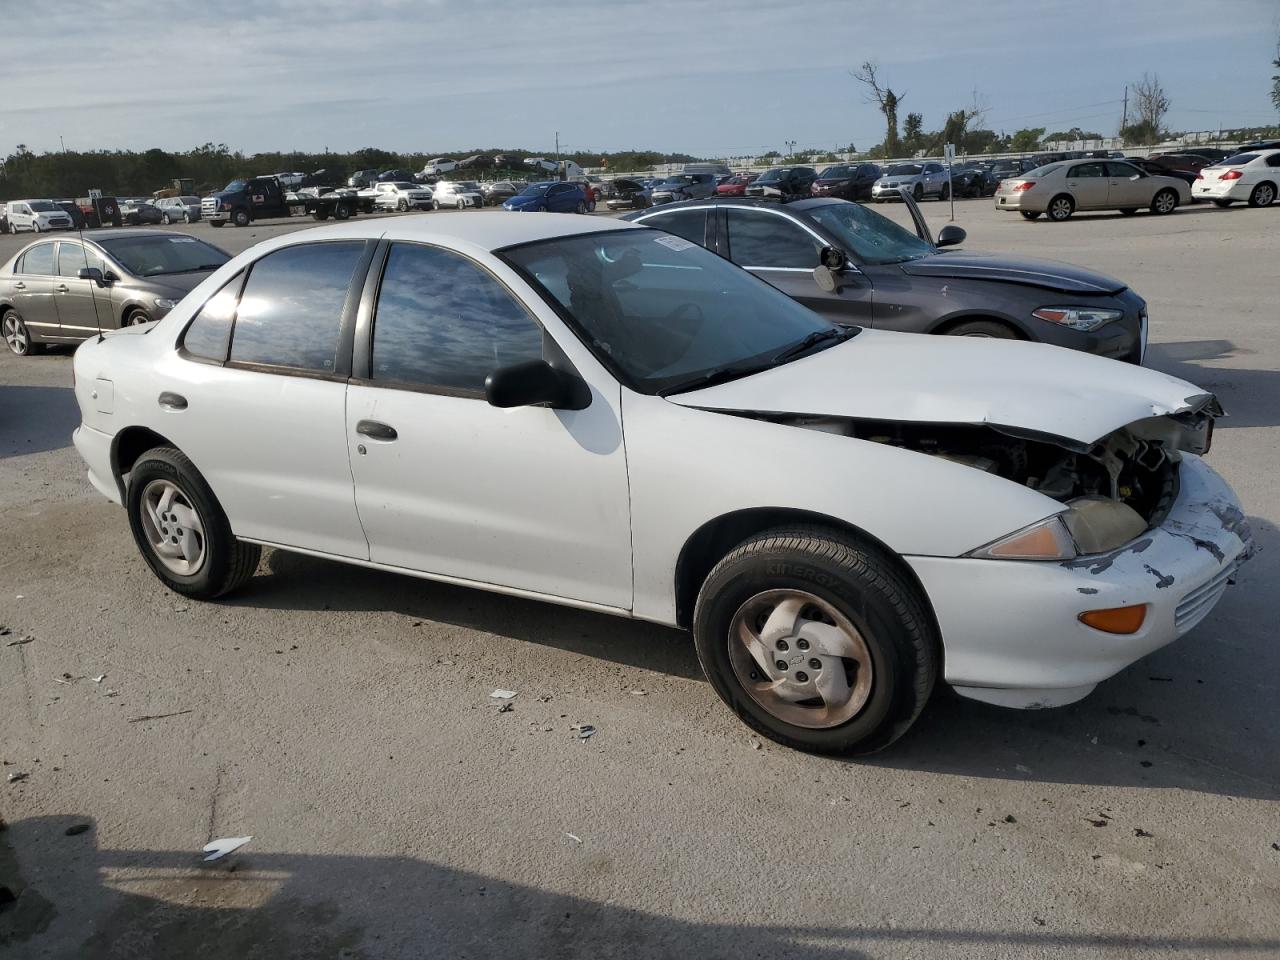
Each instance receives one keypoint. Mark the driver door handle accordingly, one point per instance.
(62, 288)
(19, 285)
(376, 430)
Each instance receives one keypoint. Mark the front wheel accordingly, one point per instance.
(186, 218)
(1166, 201)
(181, 530)
(216, 223)
(342, 212)
(945, 192)
(403, 206)
(165, 219)
(918, 193)
(816, 641)
(982, 328)
(581, 207)
(1264, 194)
(435, 204)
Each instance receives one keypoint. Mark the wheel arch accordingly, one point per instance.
(707, 545)
(128, 445)
(950, 321)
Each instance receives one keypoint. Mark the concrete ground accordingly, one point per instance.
(342, 718)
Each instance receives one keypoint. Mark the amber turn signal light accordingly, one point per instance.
(1116, 619)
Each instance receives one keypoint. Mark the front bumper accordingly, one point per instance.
(215, 216)
(1010, 629)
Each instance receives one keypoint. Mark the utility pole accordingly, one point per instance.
(63, 142)
(559, 169)
(1124, 116)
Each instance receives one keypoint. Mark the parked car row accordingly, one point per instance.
(561, 408)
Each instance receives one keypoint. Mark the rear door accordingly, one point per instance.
(33, 292)
(1088, 183)
(84, 308)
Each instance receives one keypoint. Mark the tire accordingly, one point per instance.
(223, 562)
(16, 335)
(918, 193)
(1222, 203)
(1031, 214)
(403, 205)
(581, 208)
(1164, 202)
(35, 226)
(849, 591)
(945, 192)
(341, 211)
(591, 207)
(1264, 194)
(983, 328)
(320, 215)
(136, 317)
(217, 223)
(435, 204)
(1060, 208)
(1128, 211)
(240, 217)
(186, 217)
(165, 220)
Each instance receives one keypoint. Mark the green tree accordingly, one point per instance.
(1024, 141)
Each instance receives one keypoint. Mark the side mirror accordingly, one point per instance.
(833, 258)
(950, 235)
(534, 382)
(91, 273)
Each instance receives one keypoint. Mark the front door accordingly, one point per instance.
(1127, 186)
(1088, 184)
(528, 498)
(84, 308)
(33, 292)
(782, 252)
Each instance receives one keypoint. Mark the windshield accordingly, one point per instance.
(777, 173)
(664, 313)
(904, 170)
(1239, 160)
(676, 181)
(235, 186)
(401, 185)
(468, 185)
(41, 206)
(535, 190)
(836, 173)
(869, 236)
(156, 256)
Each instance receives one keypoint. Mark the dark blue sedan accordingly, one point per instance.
(549, 197)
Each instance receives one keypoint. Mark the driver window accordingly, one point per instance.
(1086, 170)
(1123, 170)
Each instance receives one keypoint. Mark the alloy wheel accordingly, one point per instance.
(1060, 209)
(173, 528)
(1165, 202)
(15, 334)
(1264, 195)
(800, 658)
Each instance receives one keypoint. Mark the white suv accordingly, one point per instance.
(456, 193)
(401, 195)
(38, 216)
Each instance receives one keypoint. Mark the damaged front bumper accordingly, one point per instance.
(1011, 630)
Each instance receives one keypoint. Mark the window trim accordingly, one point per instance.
(366, 324)
(181, 345)
(22, 261)
(728, 236)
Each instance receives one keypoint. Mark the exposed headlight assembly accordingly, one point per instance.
(1089, 525)
(1078, 318)
(166, 304)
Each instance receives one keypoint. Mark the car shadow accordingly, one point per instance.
(1244, 392)
(36, 419)
(98, 903)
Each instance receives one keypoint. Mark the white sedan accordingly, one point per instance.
(402, 196)
(1252, 177)
(611, 417)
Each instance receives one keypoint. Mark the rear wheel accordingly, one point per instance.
(186, 216)
(581, 207)
(918, 192)
(17, 336)
(816, 640)
(1166, 201)
(240, 218)
(1061, 207)
(165, 219)
(321, 215)
(435, 204)
(1264, 194)
(1031, 214)
(982, 328)
(1128, 211)
(180, 528)
(341, 212)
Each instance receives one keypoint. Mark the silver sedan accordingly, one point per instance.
(1060, 189)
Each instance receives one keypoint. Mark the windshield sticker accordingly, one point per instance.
(675, 243)
(182, 239)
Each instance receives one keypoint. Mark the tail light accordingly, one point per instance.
(1200, 176)
(1024, 185)
(1231, 175)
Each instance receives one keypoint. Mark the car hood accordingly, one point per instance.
(1020, 387)
(899, 178)
(1050, 274)
(520, 200)
(173, 286)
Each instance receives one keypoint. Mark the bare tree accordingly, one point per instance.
(887, 101)
(1150, 102)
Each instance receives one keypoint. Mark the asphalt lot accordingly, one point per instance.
(342, 718)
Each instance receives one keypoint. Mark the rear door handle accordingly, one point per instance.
(19, 285)
(173, 401)
(62, 288)
(375, 430)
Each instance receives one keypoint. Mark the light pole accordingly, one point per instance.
(791, 149)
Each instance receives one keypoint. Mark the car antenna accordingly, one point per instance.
(84, 252)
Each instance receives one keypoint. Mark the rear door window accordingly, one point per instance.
(39, 261)
(291, 310)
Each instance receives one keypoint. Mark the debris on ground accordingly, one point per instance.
(1139, 832)
(158, 716)
(1010, 818)
(545, 698)
(181, 608)
(17, 643)
(1097, 823)
(76, 829)
(506, 707)
(501, 694)
(99, 678)
(4, 631)
(220, 848)
(16, 776)
(1022, 768)
(574, 837)
(1039, 921)
(1275, 846)
(1144, 763)
(755, 744)
(583, 731)
(637, 692)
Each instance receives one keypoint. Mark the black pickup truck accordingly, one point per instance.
(243, 201)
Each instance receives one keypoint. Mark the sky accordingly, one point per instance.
(706, 77)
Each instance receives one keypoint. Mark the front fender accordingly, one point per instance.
(687, 467)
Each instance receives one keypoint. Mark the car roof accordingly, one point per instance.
(772, 203)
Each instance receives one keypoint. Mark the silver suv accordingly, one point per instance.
(684, 186)
(924, 178)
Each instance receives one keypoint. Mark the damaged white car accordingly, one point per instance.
(611, 417)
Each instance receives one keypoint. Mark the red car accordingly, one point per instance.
(735, 186)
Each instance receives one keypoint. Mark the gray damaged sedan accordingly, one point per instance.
(67, 290)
